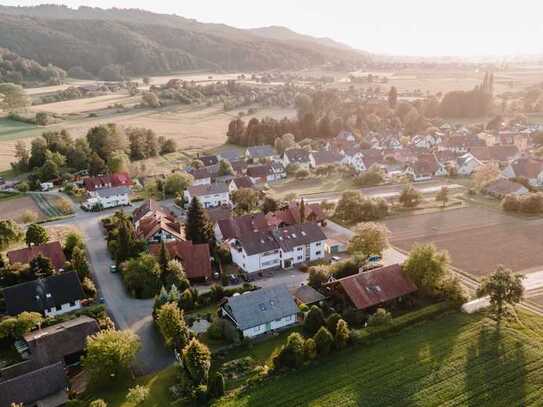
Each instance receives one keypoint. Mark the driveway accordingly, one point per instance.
(127, 312)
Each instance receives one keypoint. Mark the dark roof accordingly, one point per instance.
(238, 166)
(210, 189)
(34, 386)
(377, 286)
(238, 226)
(243, 182)
(33, 296)
(527, 167)
(297, 155)
(260, 151)
(51, 250)
(200, 173)
(112, 191)
(326, 157)
(219, 213)
(261, 306)
(259, 171)
(209, 160)
(503, 186)
(495, 153)
(308, 295)
(195, 257)
(230, 155)
(285, 238)
(52, 344)
(298, 235)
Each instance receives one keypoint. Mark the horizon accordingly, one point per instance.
(405, 32)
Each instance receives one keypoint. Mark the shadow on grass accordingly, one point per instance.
(495, 370)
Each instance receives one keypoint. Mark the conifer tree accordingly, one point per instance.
(198, 228)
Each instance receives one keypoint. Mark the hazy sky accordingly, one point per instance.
(407, 27)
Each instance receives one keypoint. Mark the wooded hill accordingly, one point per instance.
(141, 42)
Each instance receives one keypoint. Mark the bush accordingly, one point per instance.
(380, 317)
(310, 349)
(453, 292)
(291, 355)
(216, 386)
(318, 275)
(343, 334)
(323, 341)
(331, 322)
(510, 203)
(314, 320)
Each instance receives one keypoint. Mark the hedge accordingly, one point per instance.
(366, 335)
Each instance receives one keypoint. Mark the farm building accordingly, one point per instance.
(373, 288)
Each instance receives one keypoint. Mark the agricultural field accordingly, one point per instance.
(456, 360)
(85, 105)
(194, 129)
(312, 185)
(14, 208)
(477, 238)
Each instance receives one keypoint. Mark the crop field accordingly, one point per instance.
(14, 208)
(194, 129)
(477, 239)
(456, 360)
(84, 105)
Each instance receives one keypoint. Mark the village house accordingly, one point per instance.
(154, 223)
(196, 258)
(323, 158)
(282, 248)
(52, 250)
(503, 187)
(51, 296)
(498, 153)
(307, 295)
(263, 173)
(107, 191)
(240, 182)
(210, 196)
(239, 167)
(255, 153)
(262, 311)
(296, 156)
(209, 160)
(529, 168)
(467, 164)
(425, 168)
(230, 155)
(292, 215)
(201, 176)
(354, 158)
(461, 144)
(233, 228)
(373, 288)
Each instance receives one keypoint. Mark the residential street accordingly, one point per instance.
(127, 312)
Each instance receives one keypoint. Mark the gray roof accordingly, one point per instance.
(260, 151)
(210, 189)
(285, 238)
(308, 295)
(107, 192)
(262, 306)
(297, 155)
(34, 386)
(230, 155)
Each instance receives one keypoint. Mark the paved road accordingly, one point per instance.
(127, 312)
(386, 191)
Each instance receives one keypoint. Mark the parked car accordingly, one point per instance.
(113, 268)
(233, 279)
(372, 262)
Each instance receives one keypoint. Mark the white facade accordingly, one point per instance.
(270, 326)
(277, 258)
(64, 309)
(211, 200)
(202, 181)
(120, 198)
(468, 165)
(356, 161)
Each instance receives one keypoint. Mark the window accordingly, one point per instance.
(299, 248)
(319, 244)
(300, 258)
(318, 253)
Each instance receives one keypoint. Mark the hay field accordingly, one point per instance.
(194, 129)
(87, 105)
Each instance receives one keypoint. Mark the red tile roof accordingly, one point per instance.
(195, 257)
(51, 250)
(115, 180)
(377, 286)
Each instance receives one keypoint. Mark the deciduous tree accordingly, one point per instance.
(369, 239)
(504, 289)
(36, 235)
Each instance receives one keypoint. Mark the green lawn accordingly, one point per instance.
(158, 385)
(12, 130)
(456, 360)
